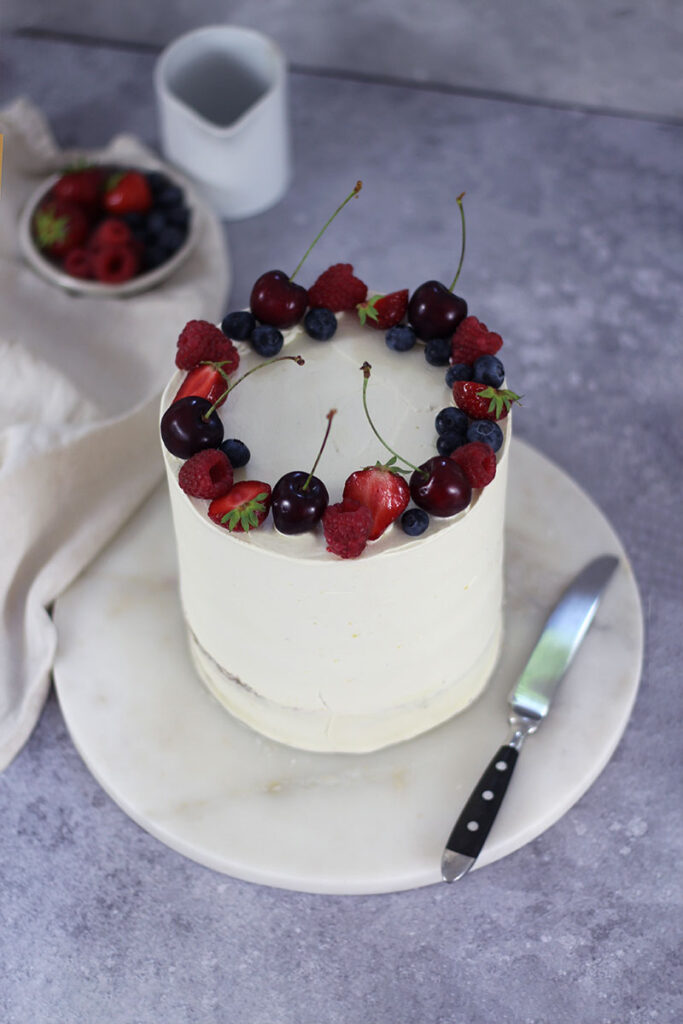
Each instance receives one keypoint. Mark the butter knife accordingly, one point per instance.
(530, 702)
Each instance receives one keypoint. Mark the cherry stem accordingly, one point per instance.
(366, 367)
(330, 416)
(358, 186)
(462, 243)
(221, 398)
(218, 366)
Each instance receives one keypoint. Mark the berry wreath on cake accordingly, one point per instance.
(358, 602)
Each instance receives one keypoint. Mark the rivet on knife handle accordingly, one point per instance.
(474, 824)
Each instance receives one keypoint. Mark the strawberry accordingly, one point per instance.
(59, 227)
(346, 526)
(337, 289)
(482, 402)
(244, 507)
(127, 192)
(381, 490)
(384, 311)
(473, 339)
(206, 381)
(81, 186)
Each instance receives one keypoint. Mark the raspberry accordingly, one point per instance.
(114, 264)
(473, 339)
(347, 526)
(200, 342)
(226, 353)
(208, 474)
(77, 262)
(477, 461)
(337, 289)
(111, 231)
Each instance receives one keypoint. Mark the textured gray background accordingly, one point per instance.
(613, 53)
(575, 228)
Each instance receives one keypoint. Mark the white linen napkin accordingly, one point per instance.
(80, 380)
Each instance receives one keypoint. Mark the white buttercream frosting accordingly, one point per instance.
(316, 651)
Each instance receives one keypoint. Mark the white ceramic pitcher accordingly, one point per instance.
(222, 96)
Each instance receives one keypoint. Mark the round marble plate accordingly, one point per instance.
(224, 796)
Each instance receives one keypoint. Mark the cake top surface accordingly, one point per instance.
(281, 411)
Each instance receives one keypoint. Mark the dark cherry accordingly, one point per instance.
(434, 312)
(444, 491)
(294, 509)
(277, 301)
(184, 429)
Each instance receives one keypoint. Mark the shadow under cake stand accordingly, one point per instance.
(210, 788)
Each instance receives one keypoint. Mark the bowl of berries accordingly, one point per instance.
(107, 230)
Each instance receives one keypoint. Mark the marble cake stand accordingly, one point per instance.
(211, 789)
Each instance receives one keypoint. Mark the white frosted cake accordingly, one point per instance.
(317, 651)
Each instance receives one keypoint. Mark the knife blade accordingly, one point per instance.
(530, 701)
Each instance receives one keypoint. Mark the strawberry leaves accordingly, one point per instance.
(246, 516)
(367, 310)
(501, 400)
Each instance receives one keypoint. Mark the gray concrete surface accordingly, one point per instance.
(575, 256)
(615, 53)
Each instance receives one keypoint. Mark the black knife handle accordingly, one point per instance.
(474, 824)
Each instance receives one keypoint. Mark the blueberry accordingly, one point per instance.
(171, 238)
(157, 182)
(486, 431)
(438, 351)
(156, 222)
(400, 338)
(266, 340)
(178, 215)
(488, 370)
(458, 371)
(153, 256)
(237, 452)
(414, 521)
(451, 419)
(238, 325)
(134, 220)
(448, 442)
(320, 323)
(170, 196)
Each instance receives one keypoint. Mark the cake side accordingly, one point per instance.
(331, 654)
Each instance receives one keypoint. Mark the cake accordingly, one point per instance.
(330, 653)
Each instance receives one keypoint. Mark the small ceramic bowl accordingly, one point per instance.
(79, 286)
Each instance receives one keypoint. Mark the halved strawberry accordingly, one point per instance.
(204, 380)
(482, 402)
(127, 192)
(473, 339)
(381, 490)
(244, 507)
(384, 311)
